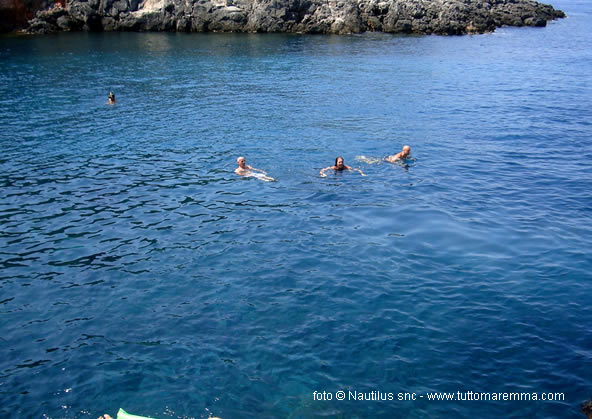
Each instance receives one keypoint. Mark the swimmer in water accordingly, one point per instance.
(587, 409)
(111, 99)
(244, 170)
(339, 166)
(404, 154)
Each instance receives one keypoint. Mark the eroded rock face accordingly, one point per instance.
(445, 17)
(14, 14)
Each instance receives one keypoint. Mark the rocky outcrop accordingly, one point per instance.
(15, 14)
(445, 17)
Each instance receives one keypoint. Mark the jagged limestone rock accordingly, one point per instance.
(445, 17)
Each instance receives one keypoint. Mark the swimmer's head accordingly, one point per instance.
(111, 95)
(241, 161)
(406, 150)
(339, 163)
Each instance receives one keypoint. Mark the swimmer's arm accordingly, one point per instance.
(257, 170)
(354, 169)
(324, 170)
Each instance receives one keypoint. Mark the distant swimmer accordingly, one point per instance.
(111, 99)
(587, 409)
(244, 170)
(404, 154)
(339, 167)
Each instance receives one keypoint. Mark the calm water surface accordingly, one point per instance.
(137, 271)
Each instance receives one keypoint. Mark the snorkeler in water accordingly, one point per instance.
(340, 166)
(111, 99)
(404, 154)
(244, 170)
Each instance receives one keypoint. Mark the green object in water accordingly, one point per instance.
(122, 414)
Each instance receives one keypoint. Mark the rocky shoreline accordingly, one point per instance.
(442, 17)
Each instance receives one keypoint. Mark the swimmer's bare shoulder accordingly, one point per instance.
(394, 158)
(241, 172)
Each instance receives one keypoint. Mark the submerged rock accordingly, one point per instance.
(444, 17)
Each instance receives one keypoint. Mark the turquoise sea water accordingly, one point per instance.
(137, 271)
